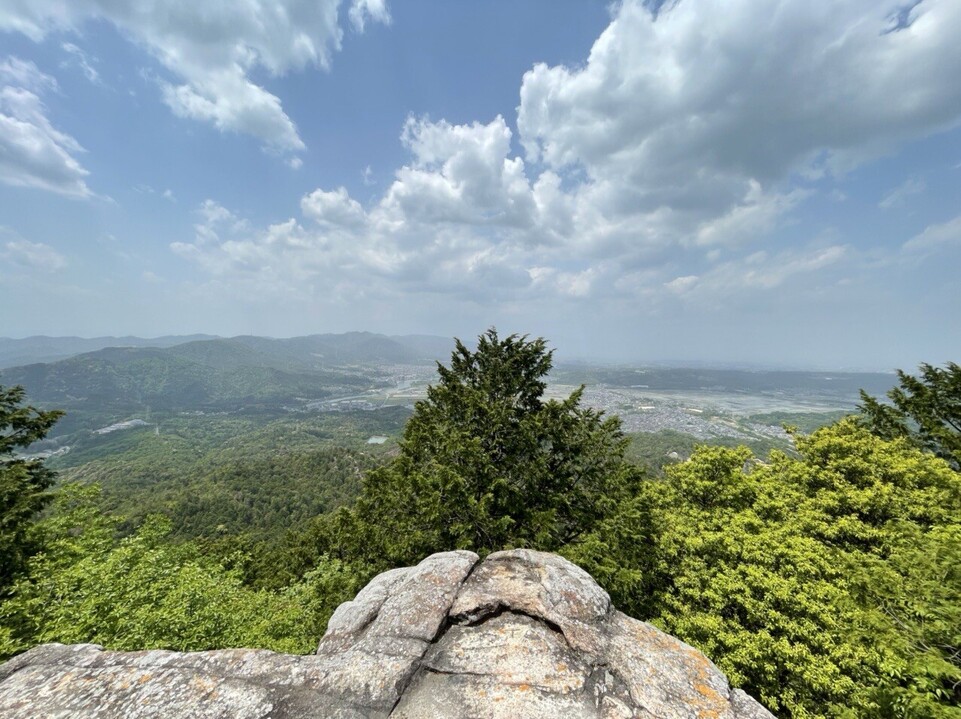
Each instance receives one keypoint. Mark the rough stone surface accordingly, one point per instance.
(521, 634)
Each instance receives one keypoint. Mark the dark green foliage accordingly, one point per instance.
(487, 463)
(23, 482)
(926, 408)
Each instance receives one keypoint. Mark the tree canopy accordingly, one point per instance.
(23, 482)
(925, 408)
(825, 584)
(487, 462)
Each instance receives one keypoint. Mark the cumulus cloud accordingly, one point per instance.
(333, 209)
(705, 93)
(662, 167)
(211, 53)
(460, 174)
(33, 153)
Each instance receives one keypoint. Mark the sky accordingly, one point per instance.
(737, 181)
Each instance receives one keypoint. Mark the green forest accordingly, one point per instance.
(824, 580)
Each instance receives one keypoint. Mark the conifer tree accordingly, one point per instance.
(487, 462)
(926, 409)
(23, 482)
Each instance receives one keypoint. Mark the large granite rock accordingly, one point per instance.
(520, 634)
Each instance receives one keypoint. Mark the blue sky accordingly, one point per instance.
(716, 181)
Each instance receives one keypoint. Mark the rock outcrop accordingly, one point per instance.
(519, 634)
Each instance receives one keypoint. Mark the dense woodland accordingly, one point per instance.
(825, 581)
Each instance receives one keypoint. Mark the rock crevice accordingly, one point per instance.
(521, 634)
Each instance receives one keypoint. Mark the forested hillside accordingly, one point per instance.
(824, 579)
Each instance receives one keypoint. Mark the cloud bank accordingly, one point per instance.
(663, 169)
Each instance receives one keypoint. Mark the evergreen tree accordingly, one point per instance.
(926, 408)
(488, 463)
(23, 482)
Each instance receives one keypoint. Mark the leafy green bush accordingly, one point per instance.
(144, 592)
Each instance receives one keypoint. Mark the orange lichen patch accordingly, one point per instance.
(144, 678)
(711, 696)
(523, 687)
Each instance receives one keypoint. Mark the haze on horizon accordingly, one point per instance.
(698, 181)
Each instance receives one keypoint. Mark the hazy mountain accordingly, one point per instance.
(348, 348)
(171, 378)
(216, 372)
(310, 351)
(29, 350)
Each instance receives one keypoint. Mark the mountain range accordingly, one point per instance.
(163, 373)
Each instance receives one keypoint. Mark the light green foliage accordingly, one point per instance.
(653, 450)
(487, 463)
(803, 579)
(23, 483)
(926, 408)
(915, 590)
(145, 592)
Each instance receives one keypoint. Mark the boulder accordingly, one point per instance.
(519, 635)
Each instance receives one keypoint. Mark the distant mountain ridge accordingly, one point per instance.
(40, 348)
(345, 348)
(218, 372)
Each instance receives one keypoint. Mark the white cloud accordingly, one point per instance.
(759, 271)
(33, 153)
(936, 236)
(228, 100)
(662, 167)
(26, 75)
(333, 209)
(707, 93)
(897, 197)
(756, 215)
(81, 60)
(32, 255)
(460, 174)
(680, 285)
(213, 51)
(363, 10)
